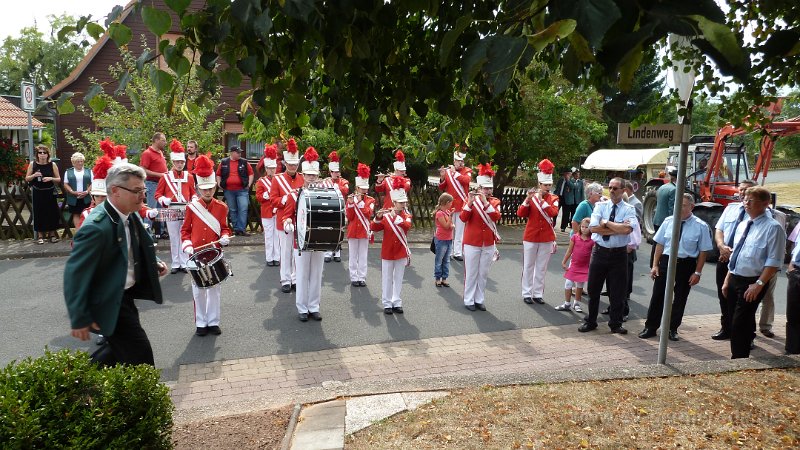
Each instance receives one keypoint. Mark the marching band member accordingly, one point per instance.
(117, 154)
(206, 225)
(395, 254)
(337, 182)
(480, 235)
(176, 186)
(284, 187)
(539, 240)
(272, 245)
(455, 181)
(308, 264)
(359, 210)
(98, 191)
(385, 184)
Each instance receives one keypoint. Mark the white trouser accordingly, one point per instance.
(477, 261)
(272, 243)
(309, 280)
(458, 237)
(767, 306)
(357, 256)
(535, 256)
(179, 259)
(288, 275)
(337, 254)
(206, 305)
(392, 271)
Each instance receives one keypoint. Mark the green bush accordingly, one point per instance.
(62, 400)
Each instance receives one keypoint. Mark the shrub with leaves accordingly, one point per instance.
(12, 163)
(62, 400)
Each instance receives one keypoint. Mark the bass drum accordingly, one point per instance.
(320, 219)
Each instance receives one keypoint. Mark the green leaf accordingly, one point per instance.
(242, 10)
(135, 100)
(123, 83)
(474, 59)
(628, 67)
(451, 37)
(503, 56)
(142, 60)
(120, 34)
(363, 151)
(581, 48)
(98, 103)
(556, 30)
(93, 90)
(262, 24)
(231, 77)
(593, 17)
(116, 11)
(182, 67)
(298, 9)
(64, 103)
(179, 6)
(95, 30)
(303, 120)
(721, 38)
(161, 80)
(64, 32)
(156, 20)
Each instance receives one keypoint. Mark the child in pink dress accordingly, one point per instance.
(580, 250)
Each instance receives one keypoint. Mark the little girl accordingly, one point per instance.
(443, 239)
(580, 249)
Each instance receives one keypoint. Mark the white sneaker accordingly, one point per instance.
(577, 307)
(563, 307)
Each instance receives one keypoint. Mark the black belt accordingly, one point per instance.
(748, 279)
(688, 258)
(601, 249)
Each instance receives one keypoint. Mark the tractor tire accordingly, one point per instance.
(710, 213)
(648, 213)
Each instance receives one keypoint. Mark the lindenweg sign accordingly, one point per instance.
(649, 134)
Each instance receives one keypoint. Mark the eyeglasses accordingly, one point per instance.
(41, 153)
(754, 200)
(136, 192)
(614, 188)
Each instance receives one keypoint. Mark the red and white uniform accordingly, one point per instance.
(386, 187)
(343, 186)
(395, 255)
(359, 215)
(272, 245)
(308, 268)
(538, 242)
(197, 231)
(456, 183)
(173, 187)
(282, 189)
(479, 247)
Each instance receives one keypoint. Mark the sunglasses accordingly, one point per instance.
(614, 188)
(41, 153)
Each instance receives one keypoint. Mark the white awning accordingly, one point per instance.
(625, 159)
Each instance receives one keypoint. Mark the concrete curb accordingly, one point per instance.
(286, 443)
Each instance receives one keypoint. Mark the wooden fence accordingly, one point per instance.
(16, 218)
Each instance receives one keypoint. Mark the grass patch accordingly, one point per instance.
(788, 193)
(749, 409)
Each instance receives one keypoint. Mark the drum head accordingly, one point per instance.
(301, 220)
(206, 257)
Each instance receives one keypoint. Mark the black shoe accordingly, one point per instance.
(768, 333)
(470, 307)
(538, 301)
(388, 311)
(244, 233)
(625, 318)
(619, 330)
(355, 283)
(303, 317)
(328, 259)
(647, 333)
(458, 258)
(721, 335)
(673, 336)
(528, 300)
(101, 340)
(480, 306)
(201, 331)
(563, 230)
(215, 330)
(184, 270)
(316, 315)
(397, 309)
(587, 327)
(605, 293)
(362, 283)
(294, 287)
(337, 258)
(174, 270)
(276, 263)
(605, 312)
(286, 288)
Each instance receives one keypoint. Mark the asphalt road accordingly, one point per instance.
(259, 320)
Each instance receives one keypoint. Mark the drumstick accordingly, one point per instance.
(210, 243)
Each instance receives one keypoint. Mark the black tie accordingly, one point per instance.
(134, 232)
(611, 219)
(738, 221)
(740, 244)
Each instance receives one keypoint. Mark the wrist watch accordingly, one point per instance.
(698, 274)
(759, 282)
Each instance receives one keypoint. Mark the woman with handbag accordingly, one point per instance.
(43, 175)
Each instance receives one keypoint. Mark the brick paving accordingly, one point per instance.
(514, 351)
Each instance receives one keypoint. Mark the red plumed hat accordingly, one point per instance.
(545, 166)
(271, 151)
(485, 170)
(101, 166)
(311, 155)
(121, 151)
(363, 170)
(203, 167)
(291, 146)
(175, 146)
(108, 147)
(400, 156)
(398, 183)
(333, 156)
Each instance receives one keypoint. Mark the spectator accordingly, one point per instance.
(593, 193)
(665, 202)
(155, 166)
(77, 182)
(564, 192)
(443, 239)
(42, 175)
(578, 254)
(234, 177)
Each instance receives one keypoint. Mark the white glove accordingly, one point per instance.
(266, 196)
(224, 240)
(288, 228)
(189, 250)
(284, 199)
(398, 220)
(152, 213)
(165, 201)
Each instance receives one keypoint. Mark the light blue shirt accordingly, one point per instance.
(765, 246)
(602, 211)
(727, 221)
(695, 237)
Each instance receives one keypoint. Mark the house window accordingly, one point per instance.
(252, 150)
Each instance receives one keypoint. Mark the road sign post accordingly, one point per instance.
(28, 104)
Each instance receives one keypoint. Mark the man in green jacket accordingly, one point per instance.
(112, 262)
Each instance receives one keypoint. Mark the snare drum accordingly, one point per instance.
(208, 268)
(170, 214)
(320, 219)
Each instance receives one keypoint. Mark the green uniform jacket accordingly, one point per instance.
(94, 275)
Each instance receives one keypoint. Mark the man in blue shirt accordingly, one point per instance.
(793, 303)
(759, 244)
(665, 201)
(694, 242)
(611, 223)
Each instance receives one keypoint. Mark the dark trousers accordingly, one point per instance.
(793, 313)
(683, 272)
(608, 266)
(653, 246)
(129, 343)
(631, 259)
(567, 212)
(726, 307)
(743, 325)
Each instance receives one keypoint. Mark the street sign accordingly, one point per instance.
(28, 97)
(667, 133)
